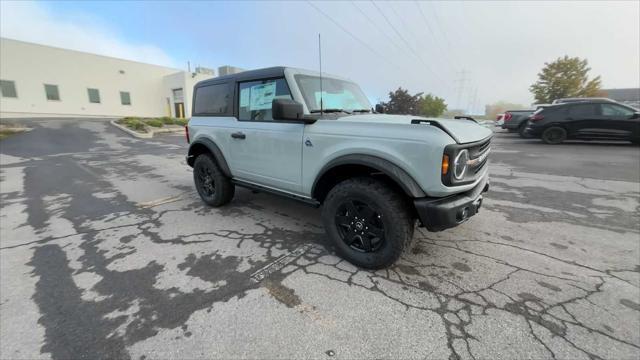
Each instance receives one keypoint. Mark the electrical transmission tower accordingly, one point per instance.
(460, 87)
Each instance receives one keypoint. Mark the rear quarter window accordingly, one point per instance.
(213, 100)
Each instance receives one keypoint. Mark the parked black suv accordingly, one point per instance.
(593, 120)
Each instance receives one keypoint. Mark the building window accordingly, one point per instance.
(178, 95)
(8, 89)
(125, 98)
(52, 93)
(94, 96)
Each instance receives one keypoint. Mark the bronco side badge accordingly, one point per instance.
(308, 142)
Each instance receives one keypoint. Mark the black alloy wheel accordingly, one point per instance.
(360, 226)
(206, 182)
(554, 135)
(214, 188)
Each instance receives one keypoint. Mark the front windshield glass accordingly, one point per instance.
(336, 94)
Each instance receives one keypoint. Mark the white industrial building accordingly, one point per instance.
(45, 81)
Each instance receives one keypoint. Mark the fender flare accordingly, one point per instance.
(213, 149)
(393, 171)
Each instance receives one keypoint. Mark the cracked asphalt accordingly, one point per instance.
(106, 251)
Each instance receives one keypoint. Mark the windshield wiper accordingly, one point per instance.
(361, 111)
(329, 111)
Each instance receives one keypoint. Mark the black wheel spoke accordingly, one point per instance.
(351, 208)
(366, 213)
(376, 231)
(366, 243)
(343, 220)
(349, 238)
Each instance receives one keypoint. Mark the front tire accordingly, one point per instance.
(214, 188)
(369, 223)
(554, 135)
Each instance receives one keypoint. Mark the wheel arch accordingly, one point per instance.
(204, 146)
(353, 165)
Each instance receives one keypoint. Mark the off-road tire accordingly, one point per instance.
(554, 135)
(394, 216)
(223, 189)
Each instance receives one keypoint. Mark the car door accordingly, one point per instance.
(617, 121)
(582, 120)
(265, 151)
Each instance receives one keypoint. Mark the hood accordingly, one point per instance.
(461, 130)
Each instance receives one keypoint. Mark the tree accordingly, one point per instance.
(565, 77)
(432, 106)
(401, 102)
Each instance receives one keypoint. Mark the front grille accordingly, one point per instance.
(480, 151)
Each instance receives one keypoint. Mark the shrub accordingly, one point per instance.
(181, 122)
(167, 120)
(133, 123)
(154, 122)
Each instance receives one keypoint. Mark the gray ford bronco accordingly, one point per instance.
(317, 140)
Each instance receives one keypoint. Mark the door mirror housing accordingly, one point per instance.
(635, 115)
(379, 108)
(289, 110)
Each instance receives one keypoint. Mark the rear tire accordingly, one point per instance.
(554, 135)
(521, 130)
(369, 223)
(213, 186)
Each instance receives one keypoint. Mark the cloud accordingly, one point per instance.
(32, 22)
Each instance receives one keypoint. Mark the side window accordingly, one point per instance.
(212, 100)
(256, 97)
(616, 110)
(582, 110)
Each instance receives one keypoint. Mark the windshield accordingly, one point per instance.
(336, 94)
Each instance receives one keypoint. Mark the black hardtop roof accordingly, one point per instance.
(275, 71)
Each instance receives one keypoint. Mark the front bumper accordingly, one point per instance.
(438, 214)
(533, 131)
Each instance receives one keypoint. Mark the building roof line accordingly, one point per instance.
(94, 54)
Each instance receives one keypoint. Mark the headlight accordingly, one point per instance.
(460, 164)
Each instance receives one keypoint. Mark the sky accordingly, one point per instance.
(470, 53)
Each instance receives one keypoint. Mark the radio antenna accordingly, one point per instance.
(320, 62)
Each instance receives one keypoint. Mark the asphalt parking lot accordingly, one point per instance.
(107, 251)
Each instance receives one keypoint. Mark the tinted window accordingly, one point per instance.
(256, 98)
(94, 96)
(8, 88)
(616, 110)
(582, 110)
(51, 91)
(125, 98)
(212, 99)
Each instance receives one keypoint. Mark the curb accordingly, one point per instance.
(147, 135)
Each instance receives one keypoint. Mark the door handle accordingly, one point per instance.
(238, 135)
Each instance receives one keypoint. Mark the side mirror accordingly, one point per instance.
(286, 109)
(635, 115)
(379, 108)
